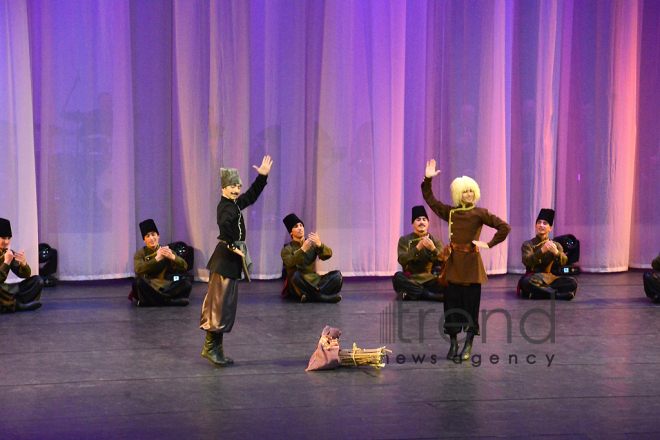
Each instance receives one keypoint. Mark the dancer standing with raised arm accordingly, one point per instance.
(229, 260)
(464, 269)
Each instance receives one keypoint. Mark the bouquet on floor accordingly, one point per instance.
(329, 356)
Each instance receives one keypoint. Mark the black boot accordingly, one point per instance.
(453, 348)
(209, 349)
(27, 307)
(219, 350)
(565, 296)
(467, 348)
(178, 302)
(431, 296)
(330, 299)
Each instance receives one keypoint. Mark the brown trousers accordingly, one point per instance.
(219, 309)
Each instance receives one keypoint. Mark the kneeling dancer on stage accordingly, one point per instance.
(652, 281)
(18, 297)
(150, 263)
(418, 252)
(538, 256)
(299, 258)
(464, 269)
(229, 260)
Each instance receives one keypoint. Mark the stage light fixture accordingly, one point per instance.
(48, 264)
(186, 252)
(571, 246)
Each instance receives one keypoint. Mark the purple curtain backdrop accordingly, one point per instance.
(18, 198)
(135, 105)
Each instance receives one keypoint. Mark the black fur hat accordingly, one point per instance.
(5, 228)
(290, 221)
(546, 214)
(148, 226)
(417, 212)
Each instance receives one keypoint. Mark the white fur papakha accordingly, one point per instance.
(461, 184)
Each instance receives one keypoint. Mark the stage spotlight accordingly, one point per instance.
(48, 264)
(571, 247)
(188, 254)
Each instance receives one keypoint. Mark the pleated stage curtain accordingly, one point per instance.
(130, 109)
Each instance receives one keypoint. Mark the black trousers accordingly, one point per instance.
(404, 283)
(148, 296)
(27, 291)
(329, 285)
(462, 308)
(535, 288)
(652, 285)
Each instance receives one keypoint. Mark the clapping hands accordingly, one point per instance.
(312, 239)
(165, 252)
(427, 243)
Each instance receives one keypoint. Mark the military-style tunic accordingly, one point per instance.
(146, 266)
(15, 266)
(27, 291)
(418, 263)
(220, 303)
(539, 262)
(465, 224)
(297, 260)
(539, 283)
(224, 262)
(302, 280)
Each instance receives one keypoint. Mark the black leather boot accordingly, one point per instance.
(178, 302)
(209, 349)
(330, 299)
(565, 296)
(27, 307)
(219, 350)
(453, 348)
(431, 296)
(467, 348)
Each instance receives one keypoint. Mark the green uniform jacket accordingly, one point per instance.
(15, 266)
(296, 260)
(539, 262)
(146, 266)
(418, 263)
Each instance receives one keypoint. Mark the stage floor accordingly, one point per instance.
(89, 364)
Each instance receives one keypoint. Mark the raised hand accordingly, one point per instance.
(430, 169)
(264, 169)
(481, 244)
